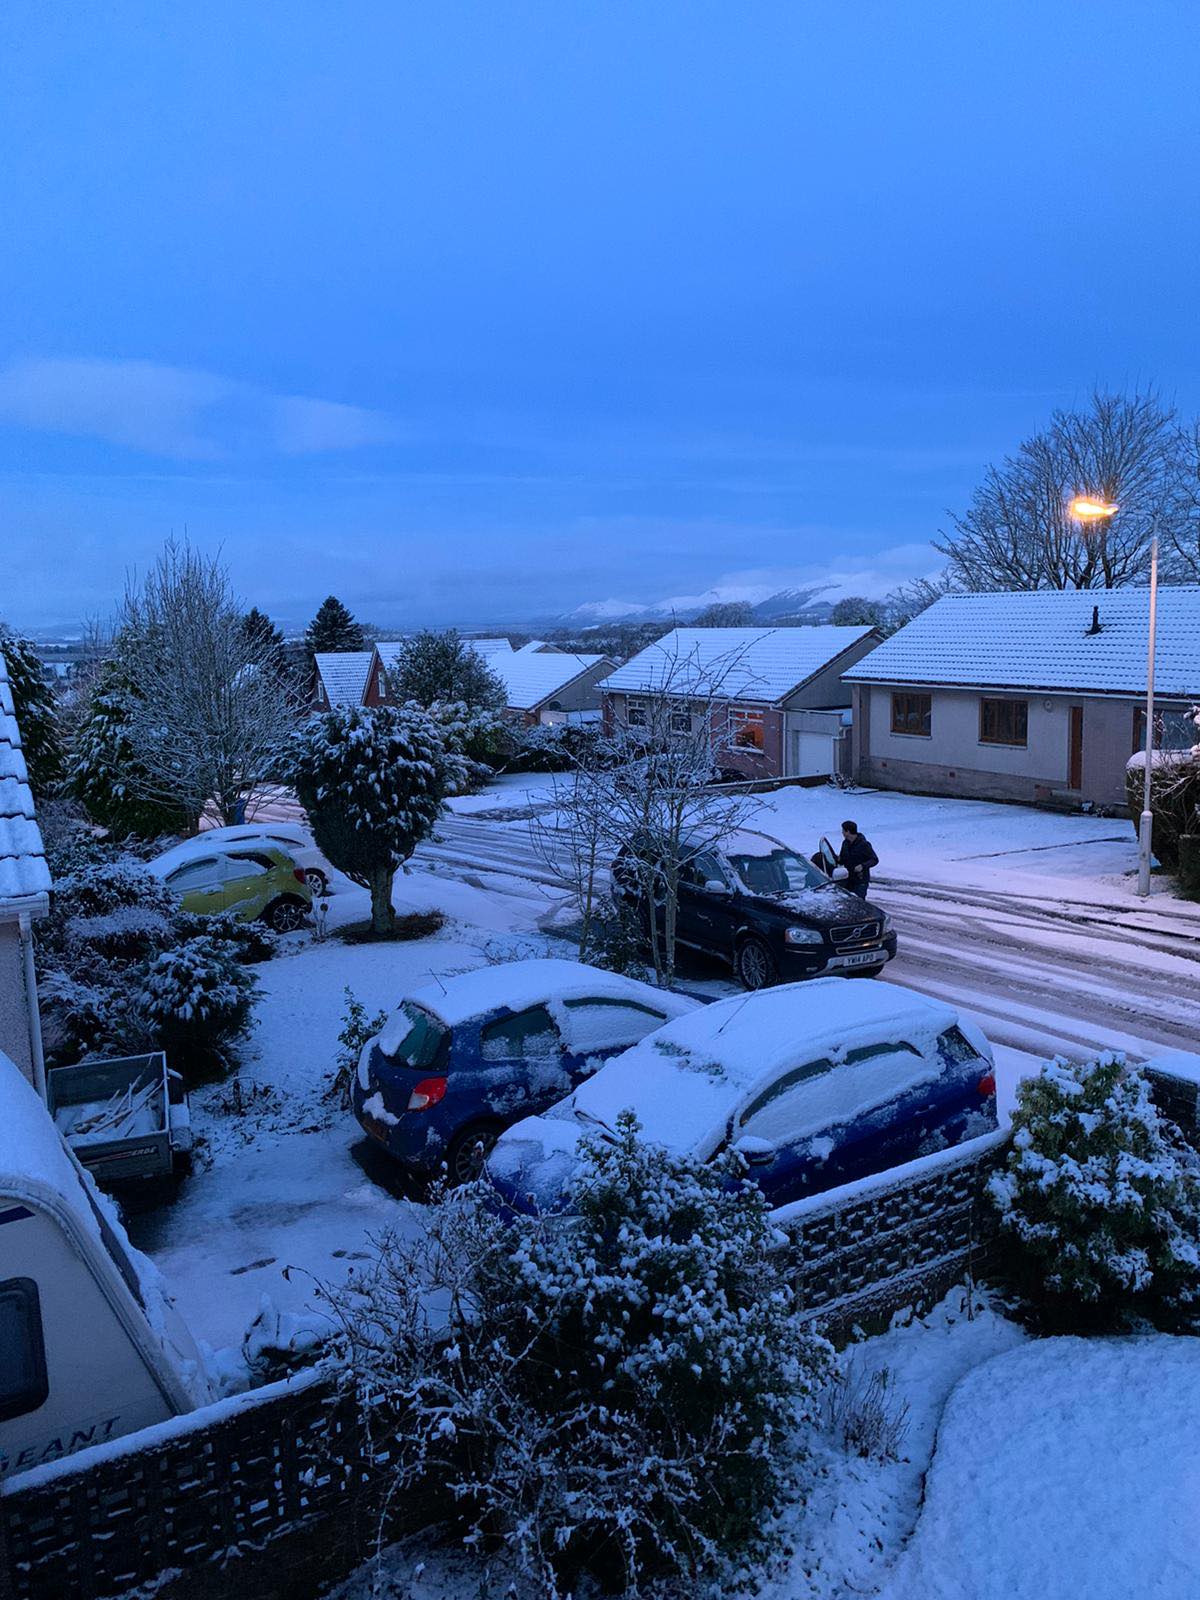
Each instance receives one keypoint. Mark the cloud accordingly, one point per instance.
(179, 411)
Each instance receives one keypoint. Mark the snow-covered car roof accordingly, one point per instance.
(201, 846)
(685, 1080)
(518, 984)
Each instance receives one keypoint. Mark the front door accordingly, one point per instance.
(1075, 754)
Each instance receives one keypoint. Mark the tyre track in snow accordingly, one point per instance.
(1043, 976)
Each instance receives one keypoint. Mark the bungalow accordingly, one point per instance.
(24, 895)
(779, 691)
(550, 686)
(341, 678)
(1035, 696)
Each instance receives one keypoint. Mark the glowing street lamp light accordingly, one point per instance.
(1092, 508)
(1089, 509)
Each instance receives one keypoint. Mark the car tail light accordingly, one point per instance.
(298, 875)
(427, 1093)
(987, 1085)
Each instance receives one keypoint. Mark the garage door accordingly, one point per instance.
(811, 755)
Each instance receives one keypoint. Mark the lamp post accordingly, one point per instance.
(1088, 509)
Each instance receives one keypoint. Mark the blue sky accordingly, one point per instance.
(474, 312)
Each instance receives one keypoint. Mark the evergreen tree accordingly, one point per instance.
(440, 668)
(263, 633)
(36, 708)
(334, 628)
(105, 775)
(372, 781)
(855, 611)
(1100, 1201)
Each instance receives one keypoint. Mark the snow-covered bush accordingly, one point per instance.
(1099, 1201)
(620, 1392)
(476, 740)
(248, 942)
(122, 970)
(616, 940)
(554, 748)
(195, 999)
(372, 781)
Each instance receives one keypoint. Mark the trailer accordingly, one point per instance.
(91, 1345)
(125, 1118)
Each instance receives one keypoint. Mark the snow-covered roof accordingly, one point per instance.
(530, 680)
(344, 674)
(388, 651)
(735, 663)
(491, 647)
(686, 1079)
(24, 875)
(33, 1159)
(518, 984)
(1040, 639)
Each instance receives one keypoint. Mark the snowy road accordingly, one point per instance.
(1044, 974)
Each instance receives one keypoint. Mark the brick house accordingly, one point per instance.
(776, 692)
(24, 897)
(1035, 696)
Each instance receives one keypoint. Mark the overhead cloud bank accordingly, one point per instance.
(179, 412)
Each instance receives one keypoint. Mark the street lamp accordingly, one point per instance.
(1088, 509)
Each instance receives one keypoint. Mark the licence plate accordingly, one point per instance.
(860, 958)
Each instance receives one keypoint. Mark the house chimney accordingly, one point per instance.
(1095, 627)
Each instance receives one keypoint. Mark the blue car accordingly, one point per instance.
(814, 1084)
(461, 1060)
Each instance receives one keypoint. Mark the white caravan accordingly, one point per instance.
(90, 1346)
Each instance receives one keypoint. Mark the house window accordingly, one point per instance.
(747, 728)
(635, 714)
(913, 714)
(681, 722)
(1004, 722)
(1173, 730)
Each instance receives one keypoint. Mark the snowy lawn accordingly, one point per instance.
(277, 1185)
(517, 793)
(1067, 1467)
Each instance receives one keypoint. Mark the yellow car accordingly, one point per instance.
(259, 882)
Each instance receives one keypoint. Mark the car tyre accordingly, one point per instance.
(286, 915)
(756, 967)
(316, 881)
(467, 1152)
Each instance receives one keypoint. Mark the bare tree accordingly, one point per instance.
(908, 600)
(1018, 532)
(1182, 544)
(651, 795)
(211, 715)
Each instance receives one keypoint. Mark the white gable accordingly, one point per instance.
(735, 663)
(1041, 639)
(531, 679)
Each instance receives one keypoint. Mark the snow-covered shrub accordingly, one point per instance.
(247, 942)
(372, 781)
(1099, 1201)
(357, 1028)
(122, 970)
(616, 941)
(554, 747)
(476, 740)
(620, 1392)
(196, 999)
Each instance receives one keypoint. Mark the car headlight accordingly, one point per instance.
(887, 925)
(803, 936)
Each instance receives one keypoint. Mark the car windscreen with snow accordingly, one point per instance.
(775, 871)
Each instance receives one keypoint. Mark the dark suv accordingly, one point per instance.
(770, 913)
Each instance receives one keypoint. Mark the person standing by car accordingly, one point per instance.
(857, 856)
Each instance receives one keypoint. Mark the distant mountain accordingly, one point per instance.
(809, 602)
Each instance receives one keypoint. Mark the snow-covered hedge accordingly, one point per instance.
(1100, 1201)
(619, 1393)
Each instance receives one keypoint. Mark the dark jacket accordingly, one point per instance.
(857, 856)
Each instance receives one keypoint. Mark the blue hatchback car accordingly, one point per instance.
(461, 1060)
(814, 1084)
